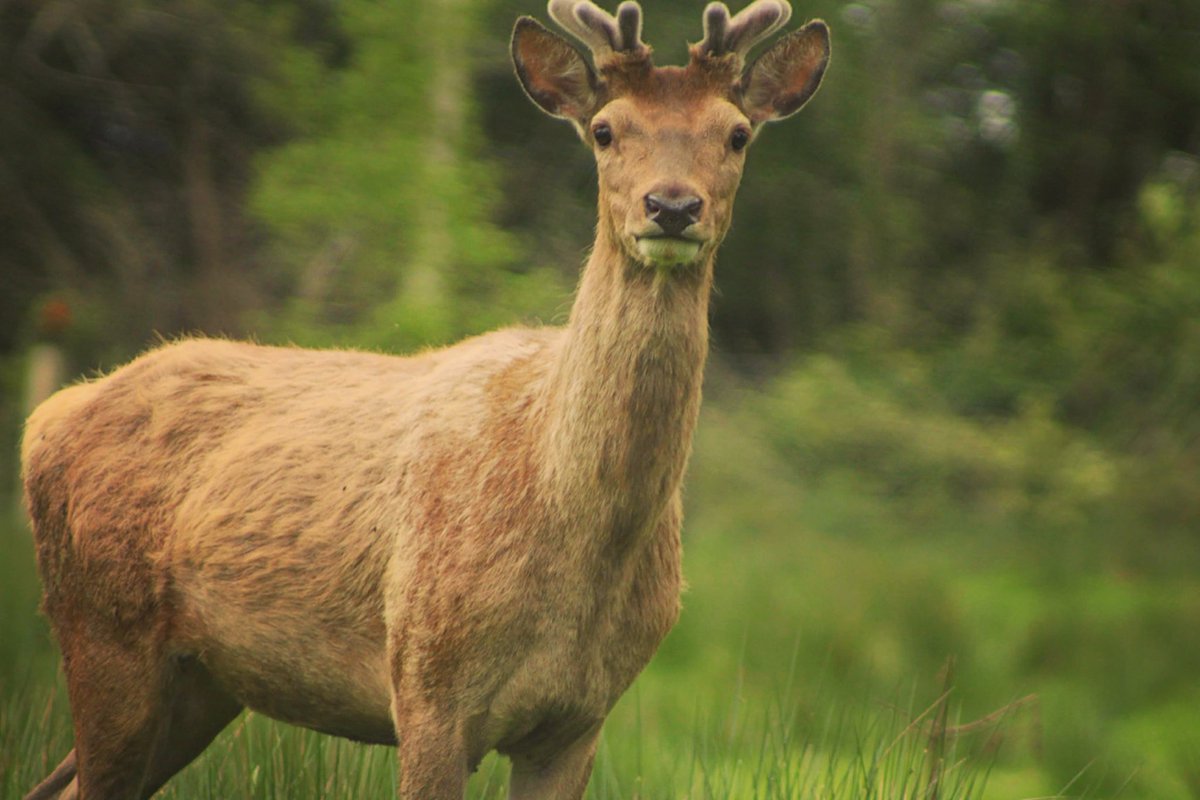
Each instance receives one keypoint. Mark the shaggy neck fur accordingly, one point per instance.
(624, 393)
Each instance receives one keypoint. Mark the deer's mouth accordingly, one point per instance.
(667, 251)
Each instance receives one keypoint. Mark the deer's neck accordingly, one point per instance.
(624, 393)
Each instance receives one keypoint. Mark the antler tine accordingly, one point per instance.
(563, 12)
(747, 28)
(600, 21)
(629, 20)
(754, 23)
(716, 21)
(599, 30)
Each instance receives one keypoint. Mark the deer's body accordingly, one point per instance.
(469, 549)
(289, 525)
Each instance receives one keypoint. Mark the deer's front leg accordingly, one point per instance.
(431, 753)
(562, 777)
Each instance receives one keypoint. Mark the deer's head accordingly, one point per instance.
(670, 142)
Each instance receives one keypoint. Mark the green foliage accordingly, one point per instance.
(891, 533)
(900, 445)
(379, 207)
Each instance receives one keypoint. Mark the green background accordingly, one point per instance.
(951, 440)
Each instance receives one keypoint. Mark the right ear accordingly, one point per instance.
(554, 74)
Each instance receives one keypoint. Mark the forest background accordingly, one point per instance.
(953, 409)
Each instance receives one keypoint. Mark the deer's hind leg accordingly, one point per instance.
(52, 787)
(139, 716)
(197, 710)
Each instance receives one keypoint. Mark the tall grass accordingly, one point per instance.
(893, 755)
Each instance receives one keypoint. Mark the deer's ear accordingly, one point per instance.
(554, 74)
(783, 78)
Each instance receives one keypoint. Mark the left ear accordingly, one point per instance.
(782, 79)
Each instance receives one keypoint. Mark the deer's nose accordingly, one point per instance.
(673, 214)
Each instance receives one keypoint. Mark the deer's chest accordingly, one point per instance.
(573, 669)
(536, 629)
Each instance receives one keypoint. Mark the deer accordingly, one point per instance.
(471, 549)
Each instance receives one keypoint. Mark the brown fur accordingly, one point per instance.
(469, 549)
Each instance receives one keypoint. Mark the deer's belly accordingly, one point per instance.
(332, 692)
(296, 666)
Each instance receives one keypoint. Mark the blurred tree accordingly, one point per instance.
(125, 152)
(1111, 89)
(380, 209)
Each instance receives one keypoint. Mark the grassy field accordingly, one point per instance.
(884, 602)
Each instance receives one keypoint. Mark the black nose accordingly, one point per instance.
(673, 214)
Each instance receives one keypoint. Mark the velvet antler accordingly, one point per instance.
(600, 31)
(724, 35)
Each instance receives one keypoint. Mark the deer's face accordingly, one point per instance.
(668, 173)
(670, 142)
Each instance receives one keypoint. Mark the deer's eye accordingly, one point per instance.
(602, 134)
(739, 139)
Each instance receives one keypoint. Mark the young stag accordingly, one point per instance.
(471, 549)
